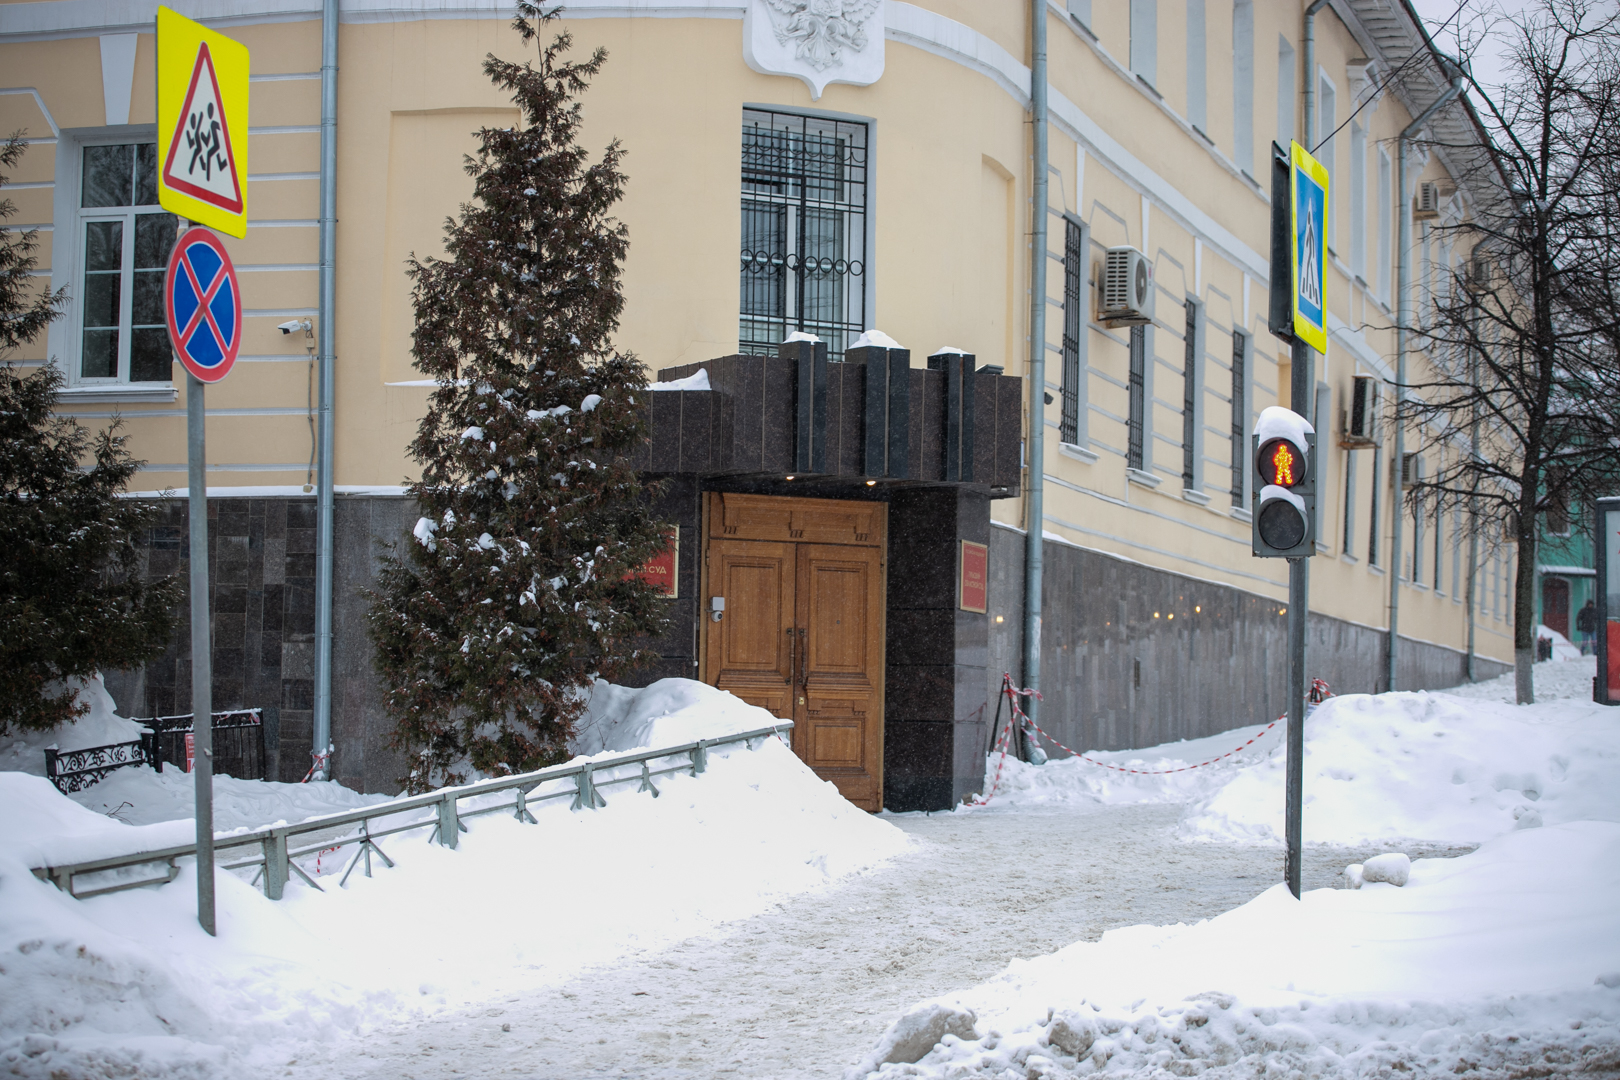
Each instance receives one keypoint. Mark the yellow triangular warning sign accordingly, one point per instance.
(200, 161)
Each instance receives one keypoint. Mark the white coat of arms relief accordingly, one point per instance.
(819, 41)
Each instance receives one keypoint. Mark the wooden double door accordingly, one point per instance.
(802, 630)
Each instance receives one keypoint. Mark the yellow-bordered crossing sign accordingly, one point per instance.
(1308, 203)
(202, 110)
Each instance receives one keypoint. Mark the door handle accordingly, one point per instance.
(804, 657)
(792, 657)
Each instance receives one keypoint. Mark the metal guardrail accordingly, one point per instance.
(277, 849)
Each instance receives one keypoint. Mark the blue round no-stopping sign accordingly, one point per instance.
(203, 304)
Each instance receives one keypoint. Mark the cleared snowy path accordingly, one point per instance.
(805, 991)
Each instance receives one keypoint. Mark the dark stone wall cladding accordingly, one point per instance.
(1201, 673)
(1118, 672)
(261, 564)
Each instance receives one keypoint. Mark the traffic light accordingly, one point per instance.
(1284, 508)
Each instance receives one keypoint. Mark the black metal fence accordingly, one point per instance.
(238, 750)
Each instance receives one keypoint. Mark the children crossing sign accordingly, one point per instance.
(202, 107)
(1308, 191)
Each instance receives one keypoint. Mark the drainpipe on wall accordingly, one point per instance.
(1403, 318)
(1035, 518)
(321, 743)
(1309, 50)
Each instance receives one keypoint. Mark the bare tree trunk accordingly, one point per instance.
(1524, 610)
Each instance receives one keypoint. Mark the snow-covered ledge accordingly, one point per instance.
(1146, 479)
(1079, 453)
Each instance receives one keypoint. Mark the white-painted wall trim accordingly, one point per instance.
(905, 24)
(117, 76)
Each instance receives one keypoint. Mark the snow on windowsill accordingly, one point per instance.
(1141, 476)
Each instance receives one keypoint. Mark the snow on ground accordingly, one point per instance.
(1384, 768)
(127, 984)
(24, 751)
(1502, 962)
(1554, 680)
(1390, 767)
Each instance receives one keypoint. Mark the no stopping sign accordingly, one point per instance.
(203, 304)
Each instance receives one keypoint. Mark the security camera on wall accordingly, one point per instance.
(295, 324)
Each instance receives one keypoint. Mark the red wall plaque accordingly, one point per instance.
(973, 593)
(663, 569)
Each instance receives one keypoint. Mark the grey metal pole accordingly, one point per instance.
(321, 744)
(1309, 59)
(1035, 477)
(1303, 381)
(1403, 319)
(202, 657)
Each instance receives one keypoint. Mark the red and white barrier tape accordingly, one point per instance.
(1319, 692)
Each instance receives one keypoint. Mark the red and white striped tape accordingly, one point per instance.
(1319, 693)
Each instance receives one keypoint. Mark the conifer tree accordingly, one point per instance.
(518, 588)
(72, 601)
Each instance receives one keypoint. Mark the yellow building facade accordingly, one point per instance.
(1161, 116)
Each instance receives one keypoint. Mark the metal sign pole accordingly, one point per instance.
(202, 659)
(1303, 381)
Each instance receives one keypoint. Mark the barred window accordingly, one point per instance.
(1189, 399)
(804, 260)
(1136, 455)
(1074, 252)
(1240, 413)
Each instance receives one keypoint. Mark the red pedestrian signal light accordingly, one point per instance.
(1282, 463)
(1283, 482)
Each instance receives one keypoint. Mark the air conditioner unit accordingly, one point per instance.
(1127, 288)
(1361, 419)
(1427, 205)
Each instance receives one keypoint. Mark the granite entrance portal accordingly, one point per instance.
(826, 504)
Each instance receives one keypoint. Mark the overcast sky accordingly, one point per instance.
(1445, 16)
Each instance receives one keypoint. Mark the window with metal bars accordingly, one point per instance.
(1189, 399)
(1240, 413)
(1138, 398)
(1372, 516)
(804, 261)
(1074, 250)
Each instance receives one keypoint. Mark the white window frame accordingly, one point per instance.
(1197, 67)
(1286, 78)
(1243, 85)
(1145, 41)
(1358, 201)
(1327, 108)
(1386, 201)
(65, 339)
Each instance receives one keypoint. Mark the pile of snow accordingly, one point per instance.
(1157, 774)
(877, 338)
(1419, 766)
(24, 751)
(1379, 769)
(698, 380)
(127, 984)
(667, 713)
(1503, 962)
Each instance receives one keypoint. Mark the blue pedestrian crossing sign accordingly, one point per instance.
(202, 302)
(1308, 202)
